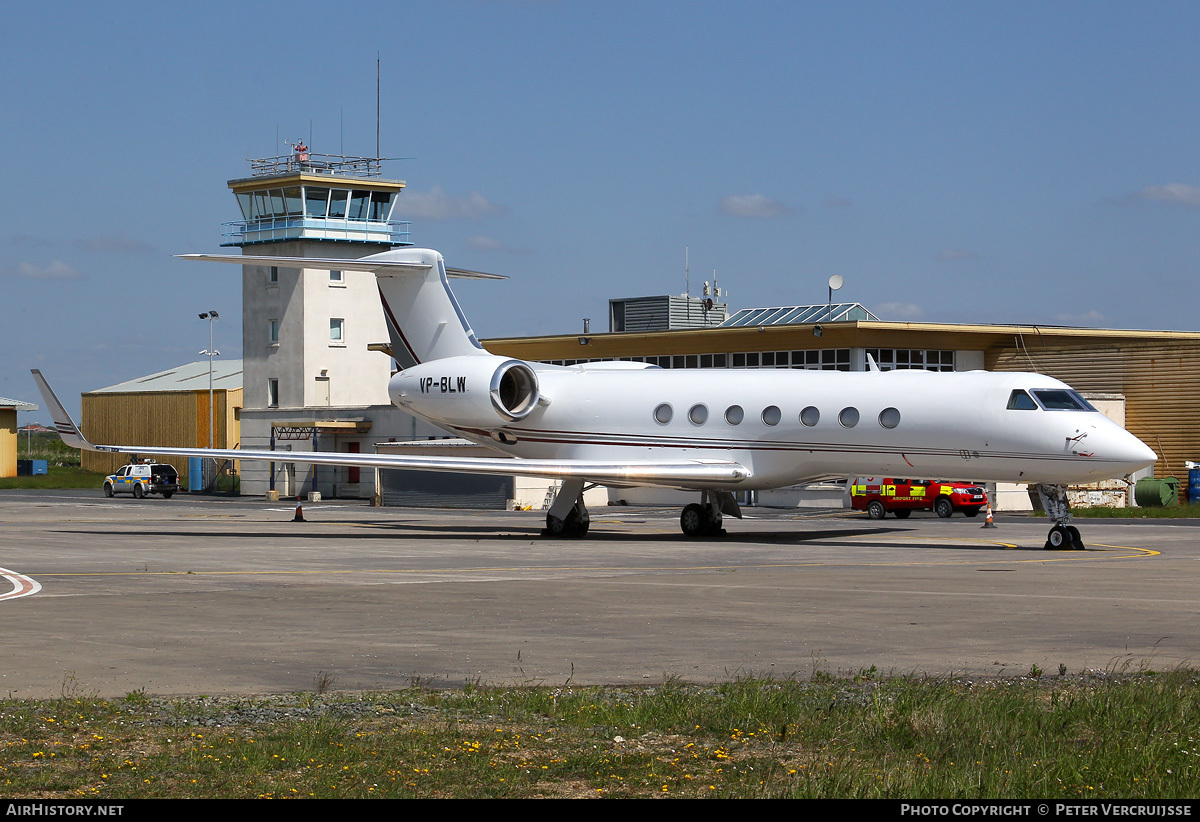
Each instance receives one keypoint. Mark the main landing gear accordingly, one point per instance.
(568, 516)
(703, 519)
(1063, 536)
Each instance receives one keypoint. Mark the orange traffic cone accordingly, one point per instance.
(300, 510)
(988, 523)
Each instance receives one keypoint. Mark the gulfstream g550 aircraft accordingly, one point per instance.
(710, 431)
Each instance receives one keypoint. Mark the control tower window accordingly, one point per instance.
(292, 202)
(337, 203)
(381, 205)
(275, 197)
(359, 202)
(245, 203)
(316, 201)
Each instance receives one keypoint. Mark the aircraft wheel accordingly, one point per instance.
(1058, 538)
(902, 513)
(693, 521)
(569, 527)
(944, 508)
(138, 493)
(108, 492)
(875, 509)
(1076, 539)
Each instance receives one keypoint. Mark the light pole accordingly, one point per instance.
(211, 352)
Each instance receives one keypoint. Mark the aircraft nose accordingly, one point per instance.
(1134, 453)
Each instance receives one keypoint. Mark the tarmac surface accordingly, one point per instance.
(213, 595)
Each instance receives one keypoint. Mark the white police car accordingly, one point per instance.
(143, 478)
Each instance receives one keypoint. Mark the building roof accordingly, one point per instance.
(227, 375)
(17, 404)
(799, 314)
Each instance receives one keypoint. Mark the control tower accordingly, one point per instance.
(308, 370)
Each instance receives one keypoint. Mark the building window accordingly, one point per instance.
(272, 393)
(889, 359)
(273, 276)
(274, 332)
(337, 330)
(335, 278)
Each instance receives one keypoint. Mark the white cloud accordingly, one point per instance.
(898, 311)
(752, 205)
(436, 204)
(1175, 194)
(56, 270)
(486, 243)
(1091, 318)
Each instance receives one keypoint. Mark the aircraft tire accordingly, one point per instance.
(1076, 538)
(875, 509)
(944, 508)
(1058, 538)
(693, 521)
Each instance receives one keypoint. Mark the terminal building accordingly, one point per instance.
(316, 360)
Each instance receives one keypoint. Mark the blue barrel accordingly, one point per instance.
(1194, 484)
(40, 467)
(195, 473)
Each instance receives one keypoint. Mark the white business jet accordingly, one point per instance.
(712, 431)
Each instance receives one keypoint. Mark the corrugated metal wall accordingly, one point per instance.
(175, 418)
(1160, 381)
(8, 442)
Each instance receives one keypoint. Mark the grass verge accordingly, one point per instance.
(1090, 736)
(59, 477)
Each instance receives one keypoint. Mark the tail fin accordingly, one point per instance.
(66, 427)
(424, 320)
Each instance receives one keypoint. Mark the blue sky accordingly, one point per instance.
(957, 162)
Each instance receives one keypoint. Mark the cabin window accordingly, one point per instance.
(849, 417)
(663, 413)
(889, 417)
(698, 414)
(810, 416)
(771, 415)
(734, 415)
(1018, 400)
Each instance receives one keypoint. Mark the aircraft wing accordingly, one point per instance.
(685, 473)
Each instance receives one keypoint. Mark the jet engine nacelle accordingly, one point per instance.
(473, 390)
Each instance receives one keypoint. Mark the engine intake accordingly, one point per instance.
(514, 390)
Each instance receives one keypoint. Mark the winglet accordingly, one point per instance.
(871, 364)
(67, 429)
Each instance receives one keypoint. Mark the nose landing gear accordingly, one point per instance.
(1063, 536)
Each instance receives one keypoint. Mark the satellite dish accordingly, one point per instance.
(835, 282)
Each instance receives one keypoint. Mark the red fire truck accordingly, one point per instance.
(881, 496)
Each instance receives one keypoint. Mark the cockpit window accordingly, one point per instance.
(1057, 399)
(1020, 401)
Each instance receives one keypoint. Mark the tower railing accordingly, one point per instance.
(312, 163)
